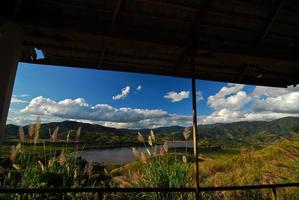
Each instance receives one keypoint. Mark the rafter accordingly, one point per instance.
(170, 3)
(117, 8)
(191, 44)
(271, 21)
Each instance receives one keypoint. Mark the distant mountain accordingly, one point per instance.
(245, 130)
(241, 131)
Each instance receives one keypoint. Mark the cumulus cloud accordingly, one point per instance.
(231, 103)
(230, 97)
(278, 100)
(17, 100)
(124, 93)
(286, 103)
(176, 97)
(103, 114)
(170, 120)
(80, 109)
(265, 103)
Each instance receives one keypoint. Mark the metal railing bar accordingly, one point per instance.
(249, 187)
(92, 190)
(112, 190)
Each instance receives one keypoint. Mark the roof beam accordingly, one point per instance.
(190, 48)
(17, 8)
(117, 8)
(271, 21)
(159, 37)
(170, 3)
(201, 73)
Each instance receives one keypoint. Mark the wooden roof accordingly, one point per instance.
(241, 41)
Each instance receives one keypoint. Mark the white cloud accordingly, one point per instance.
(285, 103)
(104, 114)
(124, 93)
(273, 91)
(230, 97)
(17, 100)
(79, 109)
(230, 104)
(170, 120)
(24, 95)
(176, 97)
(199, 96)
(265, 103)
(139, 87)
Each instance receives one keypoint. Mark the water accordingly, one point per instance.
(120, 155)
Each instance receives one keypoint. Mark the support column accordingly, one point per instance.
(11, 37)
(194, 115)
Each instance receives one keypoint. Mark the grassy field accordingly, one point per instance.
(46, 163)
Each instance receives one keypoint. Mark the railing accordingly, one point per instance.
(102, 191)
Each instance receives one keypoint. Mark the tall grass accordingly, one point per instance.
(35, 166)
(50, 168)
(158, 169)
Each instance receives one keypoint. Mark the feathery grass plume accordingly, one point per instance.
(290, 154)
(61, 157)
(95, 196)
(37, 130)
(89, 169)
(161, 151)
(150, 141)
(54, 135)
(21, 135)
(122, 181)
(75, 174)
(186, 133)
(140, 137)
(51, 162)
(68, 136)
(135, 152)
(78, 134)
(148, 152)
(135, 177)
(153, 136)
(143, 157)
(165, 146)
(184, 158)
(271, 177)
(41, 165)
(14, 152)
(31, 131)
(16, 166)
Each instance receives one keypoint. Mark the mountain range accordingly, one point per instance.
(254, 131)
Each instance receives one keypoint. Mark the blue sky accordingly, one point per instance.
(150, 100)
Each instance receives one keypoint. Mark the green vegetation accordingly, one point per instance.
(233, 135)
(157, 168)
(277, 163)
(240, 157)
(33, 167)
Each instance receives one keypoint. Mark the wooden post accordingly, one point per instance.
(10, 49)
(194, 116)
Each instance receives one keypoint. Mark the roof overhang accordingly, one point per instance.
(250, 42)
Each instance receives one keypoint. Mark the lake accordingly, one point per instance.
(121, 155)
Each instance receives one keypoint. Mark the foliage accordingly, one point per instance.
(225, 161)
(277, 163)
(158, 169)
(50, 168)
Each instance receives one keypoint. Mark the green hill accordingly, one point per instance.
(238, 133)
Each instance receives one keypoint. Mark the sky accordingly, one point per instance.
(132, 100)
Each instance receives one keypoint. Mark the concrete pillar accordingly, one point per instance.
(11, 37)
